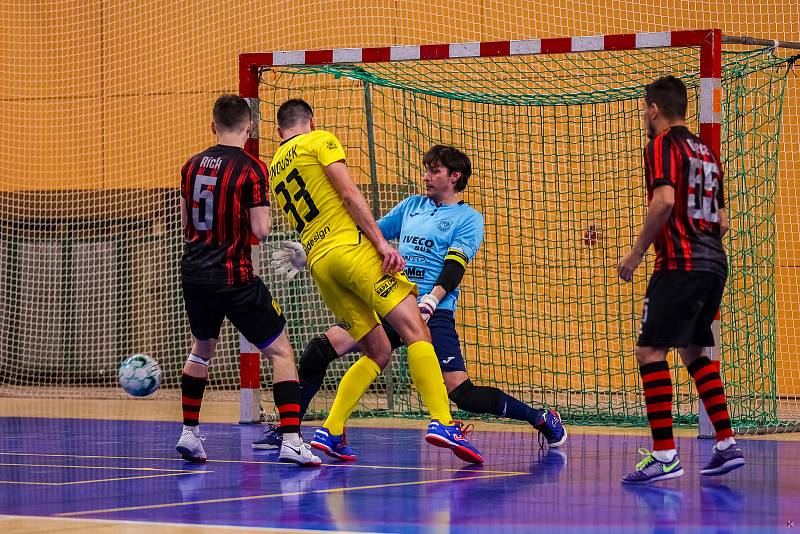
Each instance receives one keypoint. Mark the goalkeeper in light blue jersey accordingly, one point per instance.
(438, 236)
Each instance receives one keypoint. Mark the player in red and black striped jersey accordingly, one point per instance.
(225, 200)
(691, 238)
(686, 219)
(220, 186)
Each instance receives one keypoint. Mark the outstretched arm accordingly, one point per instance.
(357, 206)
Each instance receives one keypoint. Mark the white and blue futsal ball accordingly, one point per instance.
(140, 375)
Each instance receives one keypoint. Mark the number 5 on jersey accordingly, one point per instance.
(289, 199)
(203, 201)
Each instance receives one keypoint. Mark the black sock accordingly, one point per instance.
(287, 400)
(512, 408)
(192, 389)
(314, 362)
(485, 399)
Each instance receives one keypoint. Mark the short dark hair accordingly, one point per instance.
(292, 111)
(669, 94)
(451, 159)
(231, 112)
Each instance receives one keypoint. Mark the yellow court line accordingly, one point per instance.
(94, 481)
(290, 494)
(86, 524)
(260, 462)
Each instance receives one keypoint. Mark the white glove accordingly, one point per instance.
(427, 305)
(289, 260)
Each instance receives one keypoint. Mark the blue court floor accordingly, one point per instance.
(128, 470)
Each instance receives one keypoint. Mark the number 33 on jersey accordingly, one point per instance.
(302, 190)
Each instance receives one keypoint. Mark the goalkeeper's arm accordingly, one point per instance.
(449, 279)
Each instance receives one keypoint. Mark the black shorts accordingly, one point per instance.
(250, 307)
(679, 308)
(444, 338)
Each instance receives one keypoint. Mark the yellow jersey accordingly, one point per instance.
(303, 191)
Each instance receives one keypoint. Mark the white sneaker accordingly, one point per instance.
(298, 453)
(191, 447)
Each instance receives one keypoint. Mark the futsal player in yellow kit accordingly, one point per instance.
(359, 276)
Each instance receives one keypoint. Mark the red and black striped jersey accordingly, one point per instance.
(219, 186)
(690, 240)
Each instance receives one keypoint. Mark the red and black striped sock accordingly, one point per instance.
(709, 386)
(287, 400)
(192, 389)
(657, 385)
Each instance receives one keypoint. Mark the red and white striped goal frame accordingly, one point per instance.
(709, 43)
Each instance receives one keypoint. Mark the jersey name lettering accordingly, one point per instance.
(282, 164)
(210, 163)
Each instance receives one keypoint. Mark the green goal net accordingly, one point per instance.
(556, 144)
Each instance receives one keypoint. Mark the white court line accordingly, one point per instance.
(465, 469)
(278, 495)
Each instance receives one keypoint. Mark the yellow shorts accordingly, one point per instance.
(355, 289)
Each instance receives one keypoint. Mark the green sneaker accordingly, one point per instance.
(650, 469)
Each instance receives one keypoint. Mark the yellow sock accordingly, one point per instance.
(352, 387)
(427, 377)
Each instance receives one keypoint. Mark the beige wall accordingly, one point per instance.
(99, 94)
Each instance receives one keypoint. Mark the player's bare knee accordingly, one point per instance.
(204, 348)
(645, 355)
(279, 356)
(339, 340)
(375, 345)
(276, 352)
(690, 354)
(408, 323)
(378, 352)
(279, 349)
(414, 334)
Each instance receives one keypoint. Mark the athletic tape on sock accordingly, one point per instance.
(198, 359)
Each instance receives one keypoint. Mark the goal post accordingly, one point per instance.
(250, 410)
(553, 127)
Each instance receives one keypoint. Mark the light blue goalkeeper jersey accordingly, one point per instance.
(429, 235)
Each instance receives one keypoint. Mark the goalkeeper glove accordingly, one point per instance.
(289, 260)
(427, 305)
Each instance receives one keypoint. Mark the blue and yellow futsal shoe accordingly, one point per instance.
(551, 429)
(650, 469)
(724, 461)
(333, 446)
(270, 439)
(453, 437)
